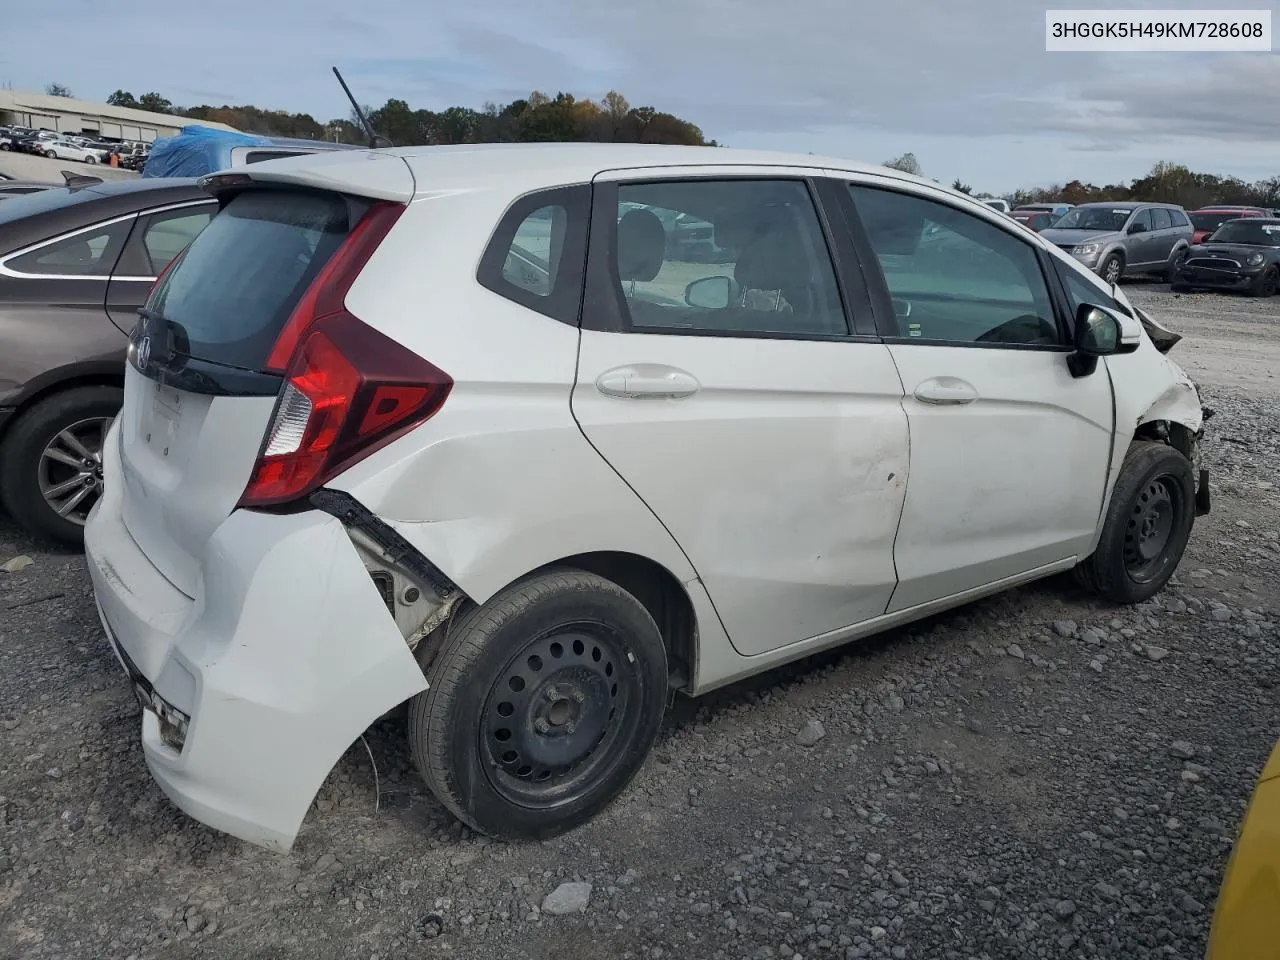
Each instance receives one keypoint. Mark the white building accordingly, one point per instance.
(71, 116)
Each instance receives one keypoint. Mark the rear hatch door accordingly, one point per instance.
(199, 396)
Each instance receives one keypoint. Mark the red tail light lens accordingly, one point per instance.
(349, 389)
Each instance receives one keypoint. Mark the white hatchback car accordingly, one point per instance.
(465, 427)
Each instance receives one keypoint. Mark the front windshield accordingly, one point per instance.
(1094, 218)
(1258, 233)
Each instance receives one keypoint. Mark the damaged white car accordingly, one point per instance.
(498, 432)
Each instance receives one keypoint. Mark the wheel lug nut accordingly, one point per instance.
(541, 725)
(570, 727)
(579, 696)
(552, 693)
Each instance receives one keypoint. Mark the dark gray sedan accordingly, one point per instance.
(76, 263)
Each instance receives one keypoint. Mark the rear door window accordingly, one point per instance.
(87, 253)
(1160, 219)
(235, 287)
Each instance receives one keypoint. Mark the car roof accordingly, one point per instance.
(36, 216)
(534, 164)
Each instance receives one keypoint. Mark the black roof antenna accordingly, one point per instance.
(376, 140)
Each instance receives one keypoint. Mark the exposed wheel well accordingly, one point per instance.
(1168, 431)
(70, 383)
(662, 595)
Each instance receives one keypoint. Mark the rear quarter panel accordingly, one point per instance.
(501, 481)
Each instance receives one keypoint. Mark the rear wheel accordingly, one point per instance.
(1147, 526)
(51, 155)
(90, 159)
(541, 706)
(1112, 268)
(1171, 273)
(51, 461)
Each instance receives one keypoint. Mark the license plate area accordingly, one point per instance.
(160, 424)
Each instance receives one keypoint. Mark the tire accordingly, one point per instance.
(26, 473)
(1268, 284)
(1113, 262)
(5, 146)
(90, 159)
(51, 155)
(1171, 272)
(494, 735)
(1147, 526)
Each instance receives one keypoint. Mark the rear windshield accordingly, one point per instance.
(232, 292)
(1212, 221)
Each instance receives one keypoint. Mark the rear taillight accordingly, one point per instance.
(349, 389)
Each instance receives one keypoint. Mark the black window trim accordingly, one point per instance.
(9, 271)
(564, 302)
(604, 308)
(882, 300)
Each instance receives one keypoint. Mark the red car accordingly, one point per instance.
(1208, 219)
(1034, 220)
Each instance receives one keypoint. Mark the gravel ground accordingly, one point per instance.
(1037, 775)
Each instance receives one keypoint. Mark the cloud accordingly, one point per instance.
(968, 87)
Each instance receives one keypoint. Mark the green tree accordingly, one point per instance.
(57, 90)
(122, 98)
(154, 103)
(962, 187)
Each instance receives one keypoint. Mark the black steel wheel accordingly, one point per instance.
(1147, 525)
(541, 705)
(555, 711)
(1150, 528)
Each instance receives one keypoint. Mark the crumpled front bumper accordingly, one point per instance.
(282, 661)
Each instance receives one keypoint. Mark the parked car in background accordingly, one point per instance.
(1036, 220)
(66, 150)
(1057, 209)
(1124, 239)
(1241, 254)
(1208, 219)
(1001, 205)
(323, 499)
(20, 188)
(75, 264)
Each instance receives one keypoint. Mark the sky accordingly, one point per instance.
(966, 86)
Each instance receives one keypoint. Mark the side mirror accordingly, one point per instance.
(1102, 331)
(1136, 228)
(709, 293)
(1097, 331)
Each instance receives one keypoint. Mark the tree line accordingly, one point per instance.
(538, 117)
(1164, 183)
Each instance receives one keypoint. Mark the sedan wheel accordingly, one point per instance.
(71, 469)
(1268, 283)
(51, 461)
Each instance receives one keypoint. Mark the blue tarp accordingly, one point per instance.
(196, 151)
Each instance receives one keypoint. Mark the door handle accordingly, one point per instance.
(647, 381)
(946, 391)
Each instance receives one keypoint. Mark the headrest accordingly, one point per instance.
(775, 261)
(642, 245)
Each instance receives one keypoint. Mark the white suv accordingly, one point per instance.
(463, 427)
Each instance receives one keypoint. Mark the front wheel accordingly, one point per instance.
(1268, 283)
(1171, 273)
(1112, 268)
(542, 705)
(51, 155)
(90, 159)
(1147, 526)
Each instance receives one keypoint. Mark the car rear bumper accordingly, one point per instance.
(283, 659)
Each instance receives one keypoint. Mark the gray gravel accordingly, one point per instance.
(1038, 775)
